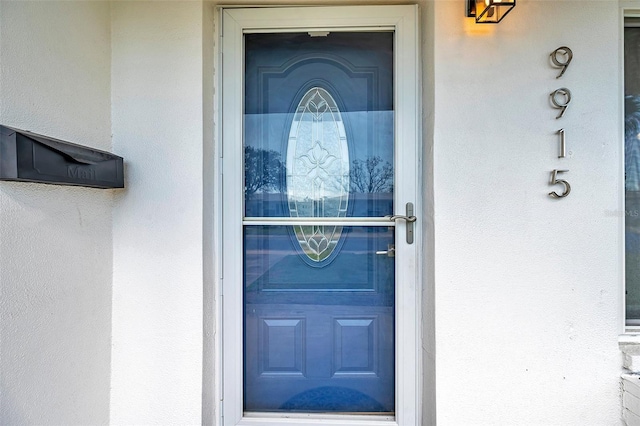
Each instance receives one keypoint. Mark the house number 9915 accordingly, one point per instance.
(560, 99)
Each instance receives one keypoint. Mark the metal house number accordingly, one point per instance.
(561, 58)
(555, 180)
(560, 99)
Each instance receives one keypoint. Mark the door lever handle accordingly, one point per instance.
(390, 251)
(409, 219)
(395, 217)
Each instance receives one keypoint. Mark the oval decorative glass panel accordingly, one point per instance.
(317, 171)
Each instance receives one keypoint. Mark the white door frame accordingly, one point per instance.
(403, 20)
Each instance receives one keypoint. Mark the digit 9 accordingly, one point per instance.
(565, 97)
(563, 53)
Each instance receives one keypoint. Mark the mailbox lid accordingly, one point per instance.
(29, 157)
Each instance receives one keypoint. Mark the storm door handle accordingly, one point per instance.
(391, 251)
(409, 219)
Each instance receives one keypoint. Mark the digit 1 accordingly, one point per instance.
(563, 144)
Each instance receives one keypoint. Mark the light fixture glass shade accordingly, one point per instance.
(489, 11)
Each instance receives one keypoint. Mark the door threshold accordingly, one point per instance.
(324, 416)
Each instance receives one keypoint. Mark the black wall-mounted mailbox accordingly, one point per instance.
(28, 157)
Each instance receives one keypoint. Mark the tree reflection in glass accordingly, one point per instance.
(371, 175)
(263, 171)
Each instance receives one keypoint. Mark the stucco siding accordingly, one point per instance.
(528, 288)
(157, 95)
(55, 241)
(107, 297)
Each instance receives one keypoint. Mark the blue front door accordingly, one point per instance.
(319, 285)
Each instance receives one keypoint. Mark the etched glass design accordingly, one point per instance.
(317, 171)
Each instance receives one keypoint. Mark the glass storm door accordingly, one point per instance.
(319, 251)
(318, 151)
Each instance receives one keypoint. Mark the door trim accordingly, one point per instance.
(403, 20)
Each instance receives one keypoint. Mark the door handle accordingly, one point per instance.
(409, 219)
(390, 251)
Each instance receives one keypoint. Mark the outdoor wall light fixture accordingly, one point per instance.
(489, 11)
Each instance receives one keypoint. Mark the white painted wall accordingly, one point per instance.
(157, 113)
(631, 399)
(528, 289)
(55, 241)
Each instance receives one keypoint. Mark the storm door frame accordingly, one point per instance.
(407, 105)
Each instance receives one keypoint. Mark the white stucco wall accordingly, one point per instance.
(525, 292)
(528, 289)
(55, 241)
(631, 399)
(157, 110)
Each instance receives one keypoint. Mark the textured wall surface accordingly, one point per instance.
(55, 241)
(157, 91)
(523, 294)
(631, 399)
(528, 289)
